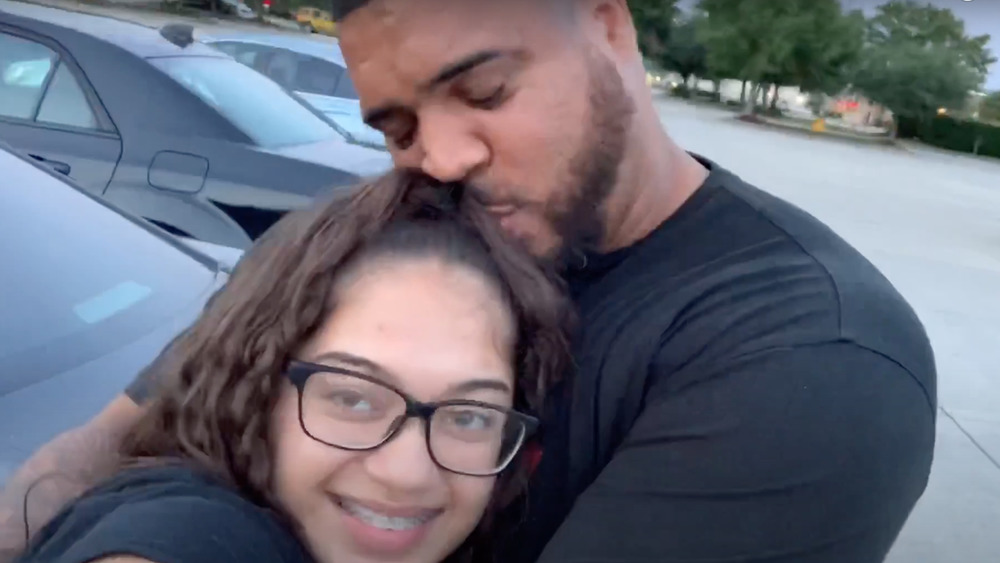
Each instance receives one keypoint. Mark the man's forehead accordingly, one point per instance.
(419, 36)
(424, 16)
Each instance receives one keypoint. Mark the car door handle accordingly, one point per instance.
(60, 167)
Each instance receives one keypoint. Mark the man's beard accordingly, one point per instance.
(579, 219)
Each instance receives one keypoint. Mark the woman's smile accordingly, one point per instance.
(377, 528)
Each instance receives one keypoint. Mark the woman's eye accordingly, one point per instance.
(472, 420)
(350, 400)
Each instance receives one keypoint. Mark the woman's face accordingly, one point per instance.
(436, 331)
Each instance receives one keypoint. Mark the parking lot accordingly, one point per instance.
(931, 221)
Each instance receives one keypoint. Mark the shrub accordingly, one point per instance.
(952, 134)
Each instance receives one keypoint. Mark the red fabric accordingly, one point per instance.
(533, 453)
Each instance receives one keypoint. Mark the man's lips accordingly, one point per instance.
(501, 210)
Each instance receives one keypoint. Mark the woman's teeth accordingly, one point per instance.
(382, 521)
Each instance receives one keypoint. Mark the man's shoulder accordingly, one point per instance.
(740, 270)
(869, 310)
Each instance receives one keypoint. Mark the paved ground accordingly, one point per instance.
(931, 221)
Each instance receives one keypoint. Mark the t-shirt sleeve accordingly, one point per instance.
(812, 454)
(184, 529)
(143, 385)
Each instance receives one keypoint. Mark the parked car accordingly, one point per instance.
(315, 20)
(165, 127)
(314, 69)
(88, 296)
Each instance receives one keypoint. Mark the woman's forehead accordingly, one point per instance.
(425, 321)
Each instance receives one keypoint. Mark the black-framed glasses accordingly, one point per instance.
(355, 411)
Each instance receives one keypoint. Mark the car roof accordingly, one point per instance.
(138, 39)
(323, 49)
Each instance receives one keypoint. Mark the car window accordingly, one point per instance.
(281, 66)
(316, 76)
(24, 67)
(227, 47)
(254, 104)
(65, 103)
(79, 280)
(345, 88)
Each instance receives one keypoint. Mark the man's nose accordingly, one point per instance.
(451, 152)
(404, 464)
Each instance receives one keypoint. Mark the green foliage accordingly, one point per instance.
(807, 43)
(989, 107)
(685, 54)
(953, 134)
(918, 58)
(654, 20)
(908, 22)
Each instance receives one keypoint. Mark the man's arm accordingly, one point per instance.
(61, 470)
(806, 455)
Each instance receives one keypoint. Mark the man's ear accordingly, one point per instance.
(610, 25)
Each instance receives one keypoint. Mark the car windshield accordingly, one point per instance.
(252, 102)
(79, 280)
(347, 114)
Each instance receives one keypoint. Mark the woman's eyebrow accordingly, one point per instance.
(479, 384)
(357, 362)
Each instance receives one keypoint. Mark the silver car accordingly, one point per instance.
(89, 297)
(312, 68)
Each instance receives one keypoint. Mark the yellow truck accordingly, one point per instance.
(315, 20)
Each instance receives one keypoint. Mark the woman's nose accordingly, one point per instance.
(404, 463)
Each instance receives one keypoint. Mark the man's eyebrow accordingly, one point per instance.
(465, 64)
(446, 74)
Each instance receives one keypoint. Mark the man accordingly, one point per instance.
(748, 387)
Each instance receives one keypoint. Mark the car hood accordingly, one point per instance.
(339, 154)
(33, 415)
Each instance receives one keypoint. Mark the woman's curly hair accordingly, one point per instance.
(218, 383)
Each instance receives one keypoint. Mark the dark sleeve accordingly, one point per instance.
(170, 530)
(142, 386)
(806, 455)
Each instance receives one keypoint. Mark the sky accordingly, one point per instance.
(980, 17)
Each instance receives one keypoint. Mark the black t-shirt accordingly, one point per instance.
(749, 388)
(169, 514)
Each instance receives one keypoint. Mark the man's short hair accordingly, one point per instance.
(343, 8)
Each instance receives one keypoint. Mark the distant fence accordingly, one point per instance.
(953, 134)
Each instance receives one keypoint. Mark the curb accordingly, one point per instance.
(832, 136)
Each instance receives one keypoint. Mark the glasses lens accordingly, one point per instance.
(347, 411)
(475, 439)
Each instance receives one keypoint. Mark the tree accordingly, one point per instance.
(654, 20)
(684, 53)
(905, 21)
(805, 43)
(989, 107)
(917, 58)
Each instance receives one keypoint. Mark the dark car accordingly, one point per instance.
(168, 129)
(88, 297)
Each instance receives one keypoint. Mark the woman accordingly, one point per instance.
(357, 392)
